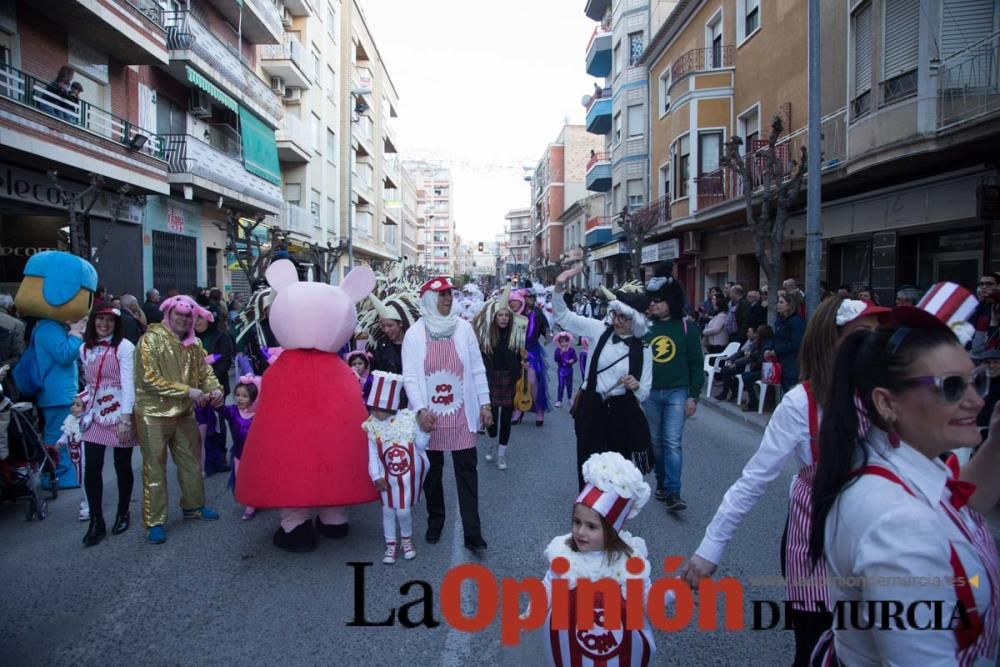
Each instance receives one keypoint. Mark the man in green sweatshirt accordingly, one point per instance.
(675, 343)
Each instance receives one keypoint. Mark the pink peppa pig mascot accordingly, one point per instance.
(306, 450)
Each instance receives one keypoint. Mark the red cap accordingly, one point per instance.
(108, 310)
(439, 284)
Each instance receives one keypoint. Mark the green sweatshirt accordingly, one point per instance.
(677, 357)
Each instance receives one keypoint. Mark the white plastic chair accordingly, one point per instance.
(713, 363)
(763, 394)
(739, 389)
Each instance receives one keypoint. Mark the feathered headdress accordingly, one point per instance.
(483, 321)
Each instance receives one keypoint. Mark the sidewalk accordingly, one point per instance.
(759, 422)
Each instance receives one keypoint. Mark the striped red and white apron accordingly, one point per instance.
(599, 647)
(804, 584)
(102, 374)
(405, 467)
(446, 397)
(979, 641)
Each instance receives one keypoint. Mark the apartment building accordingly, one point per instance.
(371, 197)
(518, 235)
(617, 113)
(557, 182)
(435, 225)
(910, 120)
(583, 215)
(304, 71)
(411, 231)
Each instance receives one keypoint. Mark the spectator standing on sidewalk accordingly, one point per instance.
(152, 307)
(677, 381)
(789, 327)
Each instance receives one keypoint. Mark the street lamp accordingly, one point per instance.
(360, 108)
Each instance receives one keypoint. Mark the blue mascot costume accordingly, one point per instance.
(58, 289)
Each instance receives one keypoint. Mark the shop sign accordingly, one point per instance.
(610, 250)
(31, 187)
(175, 220)
(21, 251)
(663, 251)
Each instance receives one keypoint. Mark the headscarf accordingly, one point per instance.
(439, 326)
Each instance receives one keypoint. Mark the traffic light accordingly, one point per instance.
(480, 246)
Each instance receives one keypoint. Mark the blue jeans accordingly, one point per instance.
(665, 413)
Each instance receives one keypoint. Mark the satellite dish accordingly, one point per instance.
(585, 100)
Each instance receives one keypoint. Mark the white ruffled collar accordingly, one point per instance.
(594, 565)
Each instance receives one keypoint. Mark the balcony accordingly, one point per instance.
(596, 9)
(130, 32)
(701, 60)
(599, 52)
(363, 130)
(296, 219)
(968, 84)
(192, 44)
(293, 140)
(599, 113)
(390, 167)
(598, 230)
(300, 7)
(213, 173)
(598, 177)
(655, 217)
(260, 20)
(392, 206)
(75, 135)
(286, 61)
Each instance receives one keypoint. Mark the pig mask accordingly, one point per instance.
(315, 316)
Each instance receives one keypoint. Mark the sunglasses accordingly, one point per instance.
(622, 317)
(952, 388)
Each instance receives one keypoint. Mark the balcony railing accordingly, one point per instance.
(605, 94)
(656, 213)
(293, 129)
(599, 30)
(390, 165)
(188, 155)
(25, 89)
(698, 60)
(969, 83)
(290, 50)
(185, 32)
(595, 158)
(295, 219)
(268, 13)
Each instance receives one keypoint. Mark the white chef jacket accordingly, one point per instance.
(608, 382)
(877, 529)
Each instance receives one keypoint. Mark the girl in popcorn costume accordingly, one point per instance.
(598, 548)
(397, 461)
(71, 441)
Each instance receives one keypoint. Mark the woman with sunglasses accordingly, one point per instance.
(896, 521)
(607, 411)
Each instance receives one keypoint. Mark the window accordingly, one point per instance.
(713, 38)
(665, 91)
(665, 180)
(748, 125)
(616, 200)
(317, 133)
(634, 48)
(314, 207)
(330, 208)
(636, 194)
(619, 64)
(331, 21)
(901, 30)
(709, 148)
(317, 65)
(963, 24)
(747, 18)
(618, 127)
(863, 42)
(293, 193)
(683, 170)
(331, 145)
(328, 83)
(636, 124)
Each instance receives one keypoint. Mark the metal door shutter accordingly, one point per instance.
(965, 22)
(902, 37)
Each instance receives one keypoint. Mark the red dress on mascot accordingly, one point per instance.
(306, 452)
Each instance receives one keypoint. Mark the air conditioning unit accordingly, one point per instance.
(201, 104)
(286, 17)
(293, 94)
(692, 243)
(278, 85)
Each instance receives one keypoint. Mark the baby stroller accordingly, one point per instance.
(29, 460)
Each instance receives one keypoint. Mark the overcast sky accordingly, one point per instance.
(484, 85)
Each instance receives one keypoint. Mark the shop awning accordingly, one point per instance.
(212, 89)
(260, 150)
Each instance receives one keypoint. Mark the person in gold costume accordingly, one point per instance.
(171, 375)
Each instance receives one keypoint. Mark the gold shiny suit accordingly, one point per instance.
(165, 370)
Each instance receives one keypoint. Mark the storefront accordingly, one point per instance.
(33, 219)
(610, 263)
(657, 253)
(171, 238)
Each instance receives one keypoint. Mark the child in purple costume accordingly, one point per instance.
(240, 417)
(565, 357)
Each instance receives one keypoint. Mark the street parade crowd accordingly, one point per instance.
(366, 385)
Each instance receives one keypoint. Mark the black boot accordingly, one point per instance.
(96, 532)
(121, 523)
(332, 531)
(301, 539)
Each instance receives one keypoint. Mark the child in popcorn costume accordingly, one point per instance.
(71, 441)
(598, 548)
(397, 460)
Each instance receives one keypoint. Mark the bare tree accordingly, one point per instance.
(79, 204)
(255, 256)
(325, 259)
(636, 226)
(771, 183)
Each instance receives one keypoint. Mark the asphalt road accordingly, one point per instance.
(220, 593)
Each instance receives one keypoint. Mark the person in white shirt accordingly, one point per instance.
(607, 410)
(899, 528)
(791, 434)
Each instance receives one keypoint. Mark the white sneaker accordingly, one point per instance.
(390, 553)
(84, 512)
(489, 453)
(409, 553)
(558, 404)
(502, 462)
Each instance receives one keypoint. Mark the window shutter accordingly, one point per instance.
(965, 22)
(863, 44)
(902, 36)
